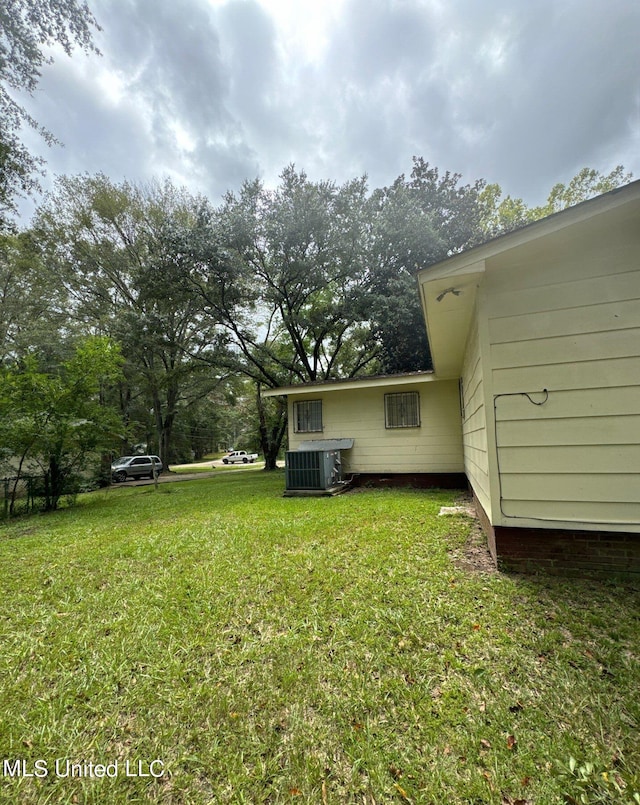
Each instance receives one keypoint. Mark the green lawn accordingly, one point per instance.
(333, 650)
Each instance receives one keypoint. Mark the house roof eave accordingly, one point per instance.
(374, 381)
(448, 288)
(460, 263)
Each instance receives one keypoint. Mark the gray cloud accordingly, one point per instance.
(520, 94)
(562, 88)
(380, 40)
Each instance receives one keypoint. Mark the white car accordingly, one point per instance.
(239, 457)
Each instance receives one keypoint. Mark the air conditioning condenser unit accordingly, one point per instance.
(312, 469)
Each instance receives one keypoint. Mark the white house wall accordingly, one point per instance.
(474, 423)
(564, 316)
(434, 447)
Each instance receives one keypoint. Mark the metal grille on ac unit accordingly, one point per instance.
(313, 469)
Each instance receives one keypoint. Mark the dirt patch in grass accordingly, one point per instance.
(474, 556)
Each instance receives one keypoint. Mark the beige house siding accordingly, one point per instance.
(434, 447)
(474, 422)
(564, 316)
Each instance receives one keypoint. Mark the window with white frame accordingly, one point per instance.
(402, 410)
(307, 416)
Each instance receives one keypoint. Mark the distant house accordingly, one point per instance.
(535, 394)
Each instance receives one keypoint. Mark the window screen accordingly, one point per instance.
(307, 416)
(402, 410)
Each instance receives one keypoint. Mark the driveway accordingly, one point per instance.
(203, 469)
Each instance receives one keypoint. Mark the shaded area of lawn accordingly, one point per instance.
(305, 650)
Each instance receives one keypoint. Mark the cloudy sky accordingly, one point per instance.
(211, 92)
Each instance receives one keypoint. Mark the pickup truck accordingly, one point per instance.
(239, 457)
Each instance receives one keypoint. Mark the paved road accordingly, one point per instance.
(171, 477)
(166, 478)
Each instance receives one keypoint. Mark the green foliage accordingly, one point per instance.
(117, 248)
(298, 251)
(415, 222)
(54, 419)
(501, 215)
(586, 184)
(590, 784)
(504, 215)
(28, 26)
(33, 307)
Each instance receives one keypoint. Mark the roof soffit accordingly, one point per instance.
(448, 304)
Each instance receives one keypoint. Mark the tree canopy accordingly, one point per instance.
(285, 274)
(500, 215)
(415, 222)
(27, 27)
(309, 281)
(115, 249)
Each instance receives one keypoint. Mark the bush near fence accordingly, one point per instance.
(20, 495)
(27, 493)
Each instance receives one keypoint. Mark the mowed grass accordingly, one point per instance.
(272, 650)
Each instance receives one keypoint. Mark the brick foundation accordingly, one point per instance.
(562, 551)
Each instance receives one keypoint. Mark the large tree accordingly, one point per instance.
(113, 247)
(415, 222)
(32, 304)
(299, 251)
(27, 27)
(285, 272)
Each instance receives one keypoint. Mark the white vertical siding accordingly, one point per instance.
(434, 447)
(565, 316)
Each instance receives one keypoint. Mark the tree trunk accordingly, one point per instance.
(164, 428)
(53, 484)
(271, 426)
(164, 425)
(125, 404)
(270, 457)
(14, 491)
